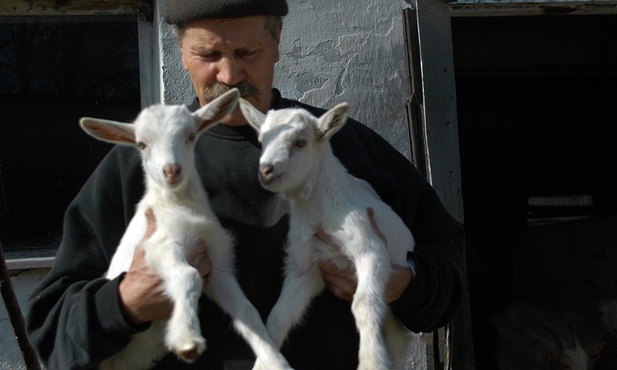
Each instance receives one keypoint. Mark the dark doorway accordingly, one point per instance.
(537, 113)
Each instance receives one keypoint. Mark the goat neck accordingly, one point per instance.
(324, 191)
(189, 192)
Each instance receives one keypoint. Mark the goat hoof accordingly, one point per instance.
(190, 351)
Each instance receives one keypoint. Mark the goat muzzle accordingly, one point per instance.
(172, 173)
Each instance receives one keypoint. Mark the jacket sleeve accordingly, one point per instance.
(436, 292)
(73, 317)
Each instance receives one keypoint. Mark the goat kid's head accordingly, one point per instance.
(575, 357)
(293, 142)
(165, 136)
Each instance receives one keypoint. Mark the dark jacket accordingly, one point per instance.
(74, 318)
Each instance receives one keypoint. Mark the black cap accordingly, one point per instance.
(180, 11)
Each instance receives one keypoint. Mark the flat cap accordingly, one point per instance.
(180, 11)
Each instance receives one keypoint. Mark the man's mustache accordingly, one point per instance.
(217, 89)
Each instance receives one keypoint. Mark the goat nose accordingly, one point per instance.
(171, 172)
(266, 170)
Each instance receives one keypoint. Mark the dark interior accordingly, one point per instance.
(51, 74)
(537, 114)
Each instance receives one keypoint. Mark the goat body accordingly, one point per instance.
(165, 136)
(297, 162)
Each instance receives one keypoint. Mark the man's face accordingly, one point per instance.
(219, 53)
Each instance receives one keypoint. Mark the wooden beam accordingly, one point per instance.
(506, 9)
(439, 103)
(29, 263)
(432, 107)
(19, 8)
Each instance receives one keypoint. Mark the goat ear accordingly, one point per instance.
(214, 112)
(332, 121)
(253, 116)
(109, 131)
(593, 351)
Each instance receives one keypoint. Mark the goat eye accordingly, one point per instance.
(141, 145)
(191, 137)
(300, 143)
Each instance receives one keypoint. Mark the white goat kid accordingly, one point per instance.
(165, 137)
(297, 162)
(567, 357)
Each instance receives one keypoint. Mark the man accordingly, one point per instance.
(77, 318)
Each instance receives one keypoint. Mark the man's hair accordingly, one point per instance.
(273, 24)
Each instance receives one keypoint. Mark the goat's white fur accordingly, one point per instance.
(165, 137)
(297, 162)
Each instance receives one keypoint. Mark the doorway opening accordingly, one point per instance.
(537, 115)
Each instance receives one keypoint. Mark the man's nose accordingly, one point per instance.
(229, 71)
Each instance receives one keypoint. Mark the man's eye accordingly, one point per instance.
(211, 56)
(246, 53)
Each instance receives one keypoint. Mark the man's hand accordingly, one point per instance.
(141, 291)
(343, 282)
